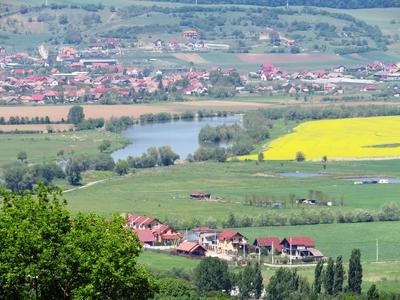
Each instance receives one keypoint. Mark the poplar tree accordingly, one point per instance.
(355, 272)
(329, 277)
(339, 276)
(318, 277)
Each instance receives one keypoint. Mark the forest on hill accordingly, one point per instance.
(353, 4)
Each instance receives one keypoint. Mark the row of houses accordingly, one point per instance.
(204, 241)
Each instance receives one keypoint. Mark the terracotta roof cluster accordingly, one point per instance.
(228, 234)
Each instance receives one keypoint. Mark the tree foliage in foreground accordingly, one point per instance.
(44, 251)
(212, 275)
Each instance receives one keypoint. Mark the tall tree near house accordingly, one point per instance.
(47, 252)
(339, 276)
(355, 272)
(251, 282)
(76, 115)
(318, 276)
(212, 275)
(329, 277)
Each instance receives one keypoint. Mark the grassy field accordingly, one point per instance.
(354, 138)
(44, 147)
(164, 192)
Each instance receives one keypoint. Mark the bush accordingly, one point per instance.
(389, 212)
(300, 156)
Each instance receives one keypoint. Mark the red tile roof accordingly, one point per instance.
(267, 242)
(300, 241)
(228, 234)
(139, 220)
(145, 236)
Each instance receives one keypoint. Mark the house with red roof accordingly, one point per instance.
(146, 237)
(142, 222)
(268, 244)
(191, 249)
(231, 242)
(301, 247)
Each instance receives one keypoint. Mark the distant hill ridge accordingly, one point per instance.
(320, 3)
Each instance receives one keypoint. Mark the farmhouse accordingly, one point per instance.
(146, 237)
(191, 249)
(300, 248)
(231, 242)
(142, 222)
(268, 244)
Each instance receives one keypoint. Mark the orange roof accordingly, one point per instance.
(228, 234)
(188, 247)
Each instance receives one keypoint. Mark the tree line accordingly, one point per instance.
(309, 216)
(354, 4)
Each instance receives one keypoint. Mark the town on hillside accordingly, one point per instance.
(95, 75)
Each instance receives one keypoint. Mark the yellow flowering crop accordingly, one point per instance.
(340, 139)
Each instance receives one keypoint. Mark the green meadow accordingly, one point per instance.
(164, 192)
(42, 147)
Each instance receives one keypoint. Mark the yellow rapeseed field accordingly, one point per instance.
(340, 139)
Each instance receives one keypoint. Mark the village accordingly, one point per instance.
(227, 244)
(95, 75)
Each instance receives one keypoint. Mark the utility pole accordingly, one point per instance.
(377, 250)
(290, 250)
(272, 252)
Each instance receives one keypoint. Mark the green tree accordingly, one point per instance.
(73, 172)
(104, 145)
(318, 276)
(17, 176)
(246, 283)
(22, 156)
(122, 167)
(76, 115)
(258, 285)
(300, 156)
(46, 251)
(329, 277)
(175, 288)
(355, 272)
(282, 285)
(338, 277)
(373, 293)
(212, 275)
(260, 157)
(167, 156)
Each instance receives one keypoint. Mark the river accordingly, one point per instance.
(181, 135)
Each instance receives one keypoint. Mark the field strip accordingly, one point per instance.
(191, 57)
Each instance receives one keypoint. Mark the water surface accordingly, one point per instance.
(181, 135)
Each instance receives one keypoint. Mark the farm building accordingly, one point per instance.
(200, 196)
(191, 249)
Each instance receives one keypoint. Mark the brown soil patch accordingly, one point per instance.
(56, 113)
(35, 127)
(255, 58)
(190, 57)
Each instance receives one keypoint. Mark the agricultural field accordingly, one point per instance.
(340, 139)
(42, 147)
(58, 112)
(164, 192)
